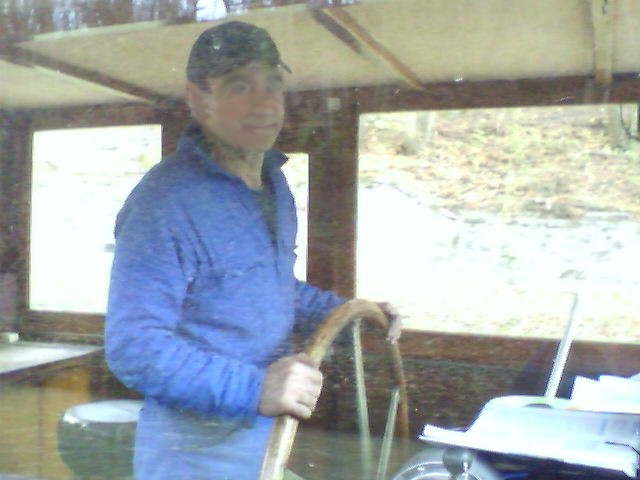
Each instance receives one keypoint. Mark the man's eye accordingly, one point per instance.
(239, 88)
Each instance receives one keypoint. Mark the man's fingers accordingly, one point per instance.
(308, 400)
(300, 411)
(305, 372)
(304, 406)
(395, 321)
(306, 392)
(395, 330)
(291, 385)
(300, 405)
(305, 359)
(388, 309)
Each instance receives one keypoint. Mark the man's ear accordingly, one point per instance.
(194, 95)
(190, 94)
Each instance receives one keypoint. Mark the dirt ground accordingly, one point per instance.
(554, 162)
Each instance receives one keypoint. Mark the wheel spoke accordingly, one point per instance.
(289, 475)
(361, 405)
(389, 431)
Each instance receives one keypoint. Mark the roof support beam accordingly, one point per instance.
(306, 110)
(94, 116)
(497, 93)
(349, 24)
(27, 58)
(337, 30)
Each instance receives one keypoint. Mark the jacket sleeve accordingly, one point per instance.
(153, 263)
(312, 305)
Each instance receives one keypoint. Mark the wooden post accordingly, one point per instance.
(15, 196)
(333, 186)
(173, 119)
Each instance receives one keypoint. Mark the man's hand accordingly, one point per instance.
(291, 386)
(395, 321)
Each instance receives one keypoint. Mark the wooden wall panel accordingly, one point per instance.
(30, 407)
(62, 327)
(20, 427)
(58, 393)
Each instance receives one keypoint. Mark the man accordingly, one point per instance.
(203, 299)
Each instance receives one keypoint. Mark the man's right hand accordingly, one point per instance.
(291, 386)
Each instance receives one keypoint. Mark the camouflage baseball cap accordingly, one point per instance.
(228, 46)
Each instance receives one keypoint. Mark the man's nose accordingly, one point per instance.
(266, 99)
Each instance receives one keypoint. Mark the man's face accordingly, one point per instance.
(244, 108)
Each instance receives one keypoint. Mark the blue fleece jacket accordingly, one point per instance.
(200, 303)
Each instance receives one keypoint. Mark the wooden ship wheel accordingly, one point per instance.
(283, 433)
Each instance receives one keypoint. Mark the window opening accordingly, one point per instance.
(495, 215)
(81, 178)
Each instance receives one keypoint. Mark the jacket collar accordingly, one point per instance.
(192, 141)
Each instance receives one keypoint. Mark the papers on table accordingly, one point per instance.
(551, 429)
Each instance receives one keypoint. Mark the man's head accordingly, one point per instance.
(235, 85)
(226, 47)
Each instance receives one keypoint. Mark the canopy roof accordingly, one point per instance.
(407, 43)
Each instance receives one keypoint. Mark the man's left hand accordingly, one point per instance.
(395, 321)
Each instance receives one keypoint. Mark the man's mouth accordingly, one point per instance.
(261, 126)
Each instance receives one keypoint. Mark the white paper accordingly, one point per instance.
(608, 394)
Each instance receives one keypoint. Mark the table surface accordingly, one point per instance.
(22, 355)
